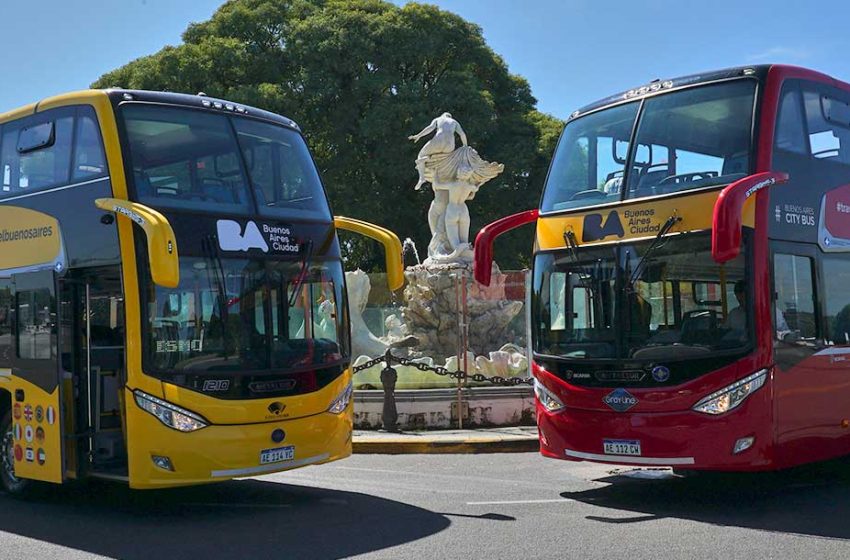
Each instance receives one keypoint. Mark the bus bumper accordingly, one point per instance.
(684, 439)
(223, 452)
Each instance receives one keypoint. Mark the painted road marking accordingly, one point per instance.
(511, 502)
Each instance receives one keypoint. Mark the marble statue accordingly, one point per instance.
(455, 175)
(363, 342)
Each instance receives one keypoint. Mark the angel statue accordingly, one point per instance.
(455, 176)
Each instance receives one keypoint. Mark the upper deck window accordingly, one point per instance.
(704, 138)
(191, 159)
(286, 183)
(185, 159)
(588, 165)
(686, 139)
(50, 149)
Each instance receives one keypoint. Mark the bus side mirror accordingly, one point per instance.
(391, 243)
(729, 213)
(483, 266)
(162, 246)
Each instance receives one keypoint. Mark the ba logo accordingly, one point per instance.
(594, 229)
(232, 238)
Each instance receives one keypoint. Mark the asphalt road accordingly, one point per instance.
(446, 506)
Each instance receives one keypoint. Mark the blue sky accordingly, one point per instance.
(571, 51)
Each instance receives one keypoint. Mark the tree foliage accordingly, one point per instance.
(359, 76)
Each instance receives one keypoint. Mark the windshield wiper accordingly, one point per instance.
(305, 266)
(572, 249)
(665, 229)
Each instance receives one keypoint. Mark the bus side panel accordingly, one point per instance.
(37, 428)
(811, 413)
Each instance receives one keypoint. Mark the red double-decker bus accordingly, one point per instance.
(691, 294)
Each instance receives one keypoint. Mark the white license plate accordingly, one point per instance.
(277, 454)
(621, 446)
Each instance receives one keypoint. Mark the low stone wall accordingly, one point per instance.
(426, 409)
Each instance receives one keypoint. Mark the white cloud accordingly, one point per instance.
(777, 54)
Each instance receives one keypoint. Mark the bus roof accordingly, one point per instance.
(758, 71)
(118, 95)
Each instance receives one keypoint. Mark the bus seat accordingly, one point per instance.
(652, 178)
(143, 184)
(219, 191)
(736, 163)
(699, 326)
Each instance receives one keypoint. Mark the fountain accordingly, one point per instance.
(441, 301)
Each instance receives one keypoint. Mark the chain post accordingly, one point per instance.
(389, 376)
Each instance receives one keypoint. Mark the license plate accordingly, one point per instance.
(277, 455)
(621, 446)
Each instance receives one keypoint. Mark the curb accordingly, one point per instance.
(424, 444)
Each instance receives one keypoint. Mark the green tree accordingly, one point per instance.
(359, 76)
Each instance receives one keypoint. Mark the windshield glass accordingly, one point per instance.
(687, 139)
(588, 165)
(285, 179)
(679, 304)
(196, 160)
(247, 315)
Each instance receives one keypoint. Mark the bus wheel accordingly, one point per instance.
(11, 484)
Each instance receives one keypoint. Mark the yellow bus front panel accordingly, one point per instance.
(160, 456)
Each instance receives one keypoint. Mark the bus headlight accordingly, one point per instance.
(730, 397)
(340, 403)
(171, 415)
(548, 399)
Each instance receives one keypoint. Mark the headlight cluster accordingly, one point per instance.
(340, 403)
(171, 415)
(730, 397)
(548, 399)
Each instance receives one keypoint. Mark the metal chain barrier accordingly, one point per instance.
(390, 359)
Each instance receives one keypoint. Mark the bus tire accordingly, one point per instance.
(11, 484)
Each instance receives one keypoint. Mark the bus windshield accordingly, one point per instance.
(678, 304)
(247, 315)
(687, 139)
(201, 160)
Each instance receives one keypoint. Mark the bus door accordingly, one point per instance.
(93, 353)
(37, 410)
(809, 384)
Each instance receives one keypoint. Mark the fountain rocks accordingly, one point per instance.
(434, 306)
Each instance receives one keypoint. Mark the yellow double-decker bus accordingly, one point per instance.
(172, 299)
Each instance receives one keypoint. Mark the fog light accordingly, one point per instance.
(743, 444)
(162, 462)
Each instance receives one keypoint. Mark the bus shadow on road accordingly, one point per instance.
(239, 519)
(810, 500)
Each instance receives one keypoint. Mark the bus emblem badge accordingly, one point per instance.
(660, 373)
(620, 400)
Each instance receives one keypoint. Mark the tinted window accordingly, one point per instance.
(237, 315)
(795, 305)
(36, 325)
(285, 179)
(44, 157)
(708, 131)
(185, 159)
(836, 280)
(89, 161)
(588, 164)
(790, 132)
(5, 323)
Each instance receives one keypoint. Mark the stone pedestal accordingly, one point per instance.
(433, 308)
